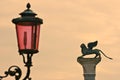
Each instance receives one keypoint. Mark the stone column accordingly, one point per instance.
(89, 67)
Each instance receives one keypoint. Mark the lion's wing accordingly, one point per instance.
(92, 44)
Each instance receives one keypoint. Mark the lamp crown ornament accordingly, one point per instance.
(28, 11)
(28, 5)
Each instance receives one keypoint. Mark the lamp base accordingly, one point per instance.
(28, 51)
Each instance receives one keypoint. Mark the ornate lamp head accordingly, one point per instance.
(28, 30)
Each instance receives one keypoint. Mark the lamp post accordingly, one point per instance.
(28, 31)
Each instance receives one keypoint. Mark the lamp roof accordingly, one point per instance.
(28, 16)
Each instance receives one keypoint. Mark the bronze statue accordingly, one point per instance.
(89, 50)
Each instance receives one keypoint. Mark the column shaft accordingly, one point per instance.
(89, 67)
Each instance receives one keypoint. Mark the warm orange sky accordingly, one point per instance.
(67, 24)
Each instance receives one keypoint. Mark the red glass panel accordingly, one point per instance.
(28, 37)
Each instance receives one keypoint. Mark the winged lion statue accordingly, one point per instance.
(89, 50)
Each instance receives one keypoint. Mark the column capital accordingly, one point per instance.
(83, 61)
(88, 64)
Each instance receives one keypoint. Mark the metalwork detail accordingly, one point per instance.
(16, 71)
(28, 5)
(28, 64)
(13, 71)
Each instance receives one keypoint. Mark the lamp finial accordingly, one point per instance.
(28, 5)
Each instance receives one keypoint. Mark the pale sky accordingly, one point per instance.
(67, 24)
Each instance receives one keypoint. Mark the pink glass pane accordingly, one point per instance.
(28, 36)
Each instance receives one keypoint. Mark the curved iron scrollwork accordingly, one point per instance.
(13, 71)
(16, 71)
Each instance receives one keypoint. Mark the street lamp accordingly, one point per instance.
(28, 31)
